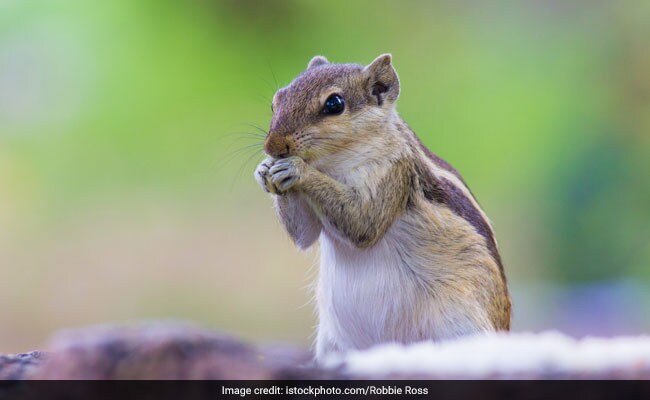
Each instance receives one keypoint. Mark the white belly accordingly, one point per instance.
(385, 294)
(366, 297)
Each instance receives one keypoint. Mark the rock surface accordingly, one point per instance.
(182, 351)
(167, 351)
(19, 366)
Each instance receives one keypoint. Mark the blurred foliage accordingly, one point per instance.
(544, 107)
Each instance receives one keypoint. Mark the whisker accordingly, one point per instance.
(258, 128)
(258, 142)
(273, 75)
(229, 157)
(269, 85)
(324, 143)
(230, 139)
(243, 165)
(263, 99)
(241, 135)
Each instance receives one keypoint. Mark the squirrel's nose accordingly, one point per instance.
(278, 146)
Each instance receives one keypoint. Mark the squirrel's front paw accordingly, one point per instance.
(263, 176)
(286, 172)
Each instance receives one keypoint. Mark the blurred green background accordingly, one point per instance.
(126, 187)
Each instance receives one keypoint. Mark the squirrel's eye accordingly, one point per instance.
(334, 105)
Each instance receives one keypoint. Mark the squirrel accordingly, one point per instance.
(406, 252)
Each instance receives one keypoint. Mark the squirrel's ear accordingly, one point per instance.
(383, 82)
(316, 61)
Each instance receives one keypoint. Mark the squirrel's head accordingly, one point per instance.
(331, 107)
